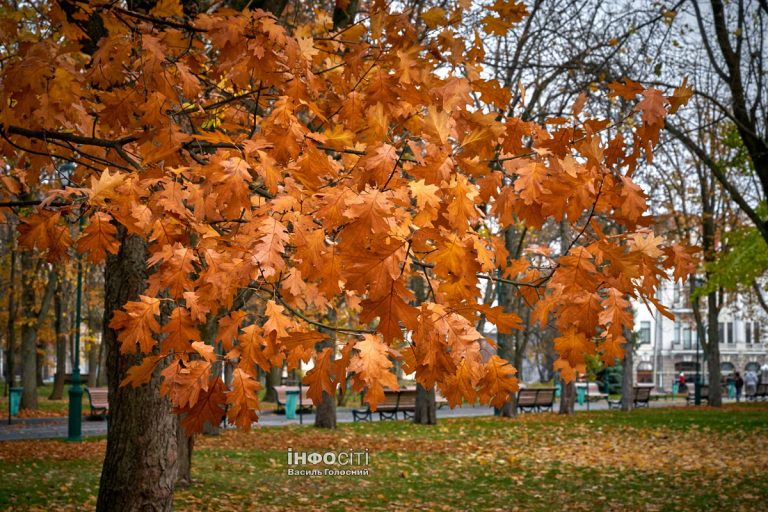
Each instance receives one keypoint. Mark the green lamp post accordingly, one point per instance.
(76, 390)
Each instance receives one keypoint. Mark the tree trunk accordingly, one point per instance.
(30, 328)
(713, 351)
(273, 379)
(325, 415)
(93, 365)
(326, 412)
(626, 378)
(426, 408)
(141, 462)
(709, 246)
(568, 395)
(101, 375)
(506, 349)
(568, 398)
(11, 339)
(59, 324)
(185, 446)
(39, 363)
(96, 353)
(28, 337)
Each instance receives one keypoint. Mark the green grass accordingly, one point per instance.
(658, 459)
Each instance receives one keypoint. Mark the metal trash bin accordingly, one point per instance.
(581, 394)
(291, 401)
(14, 399)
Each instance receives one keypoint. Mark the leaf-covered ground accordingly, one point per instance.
(658, 459)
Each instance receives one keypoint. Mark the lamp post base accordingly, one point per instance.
(75, 410)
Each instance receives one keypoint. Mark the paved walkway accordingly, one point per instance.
(56, 428)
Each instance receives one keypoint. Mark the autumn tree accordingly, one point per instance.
(224, 160)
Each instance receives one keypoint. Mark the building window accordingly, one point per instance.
(687, 337)
(748, 331)
(676, 336)
(721, 332)
(756, 331)
(730, 332)
(645, 332)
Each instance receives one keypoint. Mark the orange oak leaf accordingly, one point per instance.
(209, 408)
(371, 365)
(142, 373)
(320, 378)
(243, 399)
(181, 332)
(498, 382)
(98, 238)
(137, 324)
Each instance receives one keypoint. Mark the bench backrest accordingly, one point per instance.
(642, 393)
(407, 398)
(391, 398)
(99, 397)
(282, 390)
(526, 397)
(545, 396)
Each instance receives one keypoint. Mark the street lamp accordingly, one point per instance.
(75, 390)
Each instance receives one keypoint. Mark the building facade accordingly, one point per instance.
(665, 348)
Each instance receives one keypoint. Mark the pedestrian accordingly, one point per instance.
(681, 383)
(739, 383)
(750, 381)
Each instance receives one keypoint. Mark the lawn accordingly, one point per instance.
(658, 459)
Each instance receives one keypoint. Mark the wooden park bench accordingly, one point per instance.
(440, 400)
(641, 395)
(691, 399)
(761, 392)
(281, 394)
(535, 399)
(593, 392)
(98, 398)
(406, 403)
(395, 401)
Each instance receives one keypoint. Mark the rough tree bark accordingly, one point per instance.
(506, 349)
(712, 348)
(11, 338)
(185, 446)
(568, 398)
(141, 462)
(62, 339)
(426, 407)
(274, 376)
(568, 394)
(626, 377)
(29, 329)
(325, 416)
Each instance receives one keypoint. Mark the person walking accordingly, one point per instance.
(738, 382)
(750, 381)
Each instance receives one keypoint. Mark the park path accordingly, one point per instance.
(56, 428)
